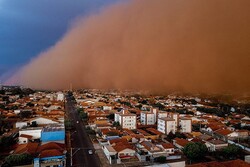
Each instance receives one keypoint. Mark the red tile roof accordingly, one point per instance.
(51, 145)
(223, 132)
(181, 142)
(50, 153)
(26, 136)
(30, 148)
(167, 145)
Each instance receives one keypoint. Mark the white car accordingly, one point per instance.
(90, 152)
(77, 122)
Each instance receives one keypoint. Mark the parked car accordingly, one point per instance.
(90, 152)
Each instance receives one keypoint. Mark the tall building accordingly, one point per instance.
(166, 125)
(185, 125)
(147, 118)
(126, 119)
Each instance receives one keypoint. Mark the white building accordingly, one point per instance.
(162, 114)
(108, 108)
(35, 132)
(186, 125)
(126, 119)
(175, 116)
(43, 121)
(21, 125)
(60, 96)
(166, 125)
(147, 118)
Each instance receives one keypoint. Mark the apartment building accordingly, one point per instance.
(126, 119)
(166, 125)
(147, 118)
(185, 125)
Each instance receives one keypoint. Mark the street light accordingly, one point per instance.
(72, 154)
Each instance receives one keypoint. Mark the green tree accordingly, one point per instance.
(19, 159)
(170, 136)
(25, 114)
(111, 116)
(83, 115)
(111, 133)
(195, 150)
(161, 159)
(7, 141)
(68, 124)
(231, 151)
(116, 124)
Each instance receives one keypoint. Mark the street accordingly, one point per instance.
(80, 141)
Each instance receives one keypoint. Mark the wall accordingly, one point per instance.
(52, 136)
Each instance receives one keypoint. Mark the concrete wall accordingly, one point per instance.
(52, 136)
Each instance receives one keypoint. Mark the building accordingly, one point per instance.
(126, 119)
(147, 118)
(60, 96)
(35, 132)
(214, 145)
(175, 116)
(185, 125)
(55, 133)
(166, 125)
(51, 154)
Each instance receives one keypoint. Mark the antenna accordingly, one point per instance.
(71, 87)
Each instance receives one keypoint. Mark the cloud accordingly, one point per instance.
(154, 45)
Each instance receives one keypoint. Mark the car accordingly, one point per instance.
(77, 122)
(90, 152)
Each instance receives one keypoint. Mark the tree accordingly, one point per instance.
(195, 150)
(83, 115)
(68, 124)
(7, 141)
(161, 159)
(116, 124)
(19, 159)
(111, 116)
(111, 133)
(170, 136)
(33, 124)
(25, 114)
(231, 151)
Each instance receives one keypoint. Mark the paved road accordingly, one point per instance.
(80, 142)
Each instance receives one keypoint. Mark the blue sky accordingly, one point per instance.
(28, 27)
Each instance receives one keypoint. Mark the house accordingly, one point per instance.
(223, 134)
(51, 154)
(35, 132)
(168, 147)
(180, 143)
(166, 125)
(53, 132)
(120, 151)
(125, 152)
(21, 124)
(185, 125)
(214, 144)
(147, 118)
(126, 119)
(23, 138)
(29, 148)
(43, 121)
(152, 150)
(110, 153)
